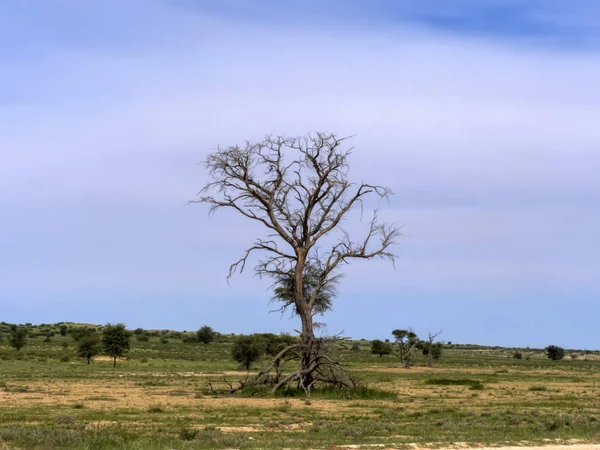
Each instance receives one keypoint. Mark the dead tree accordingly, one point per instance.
(298, 189)
(430, 349)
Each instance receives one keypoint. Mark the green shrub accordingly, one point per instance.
(473, 384)
(555, 353)
(188, 434)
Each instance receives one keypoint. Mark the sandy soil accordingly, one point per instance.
(459, 446)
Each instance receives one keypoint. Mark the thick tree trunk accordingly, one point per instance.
(88, 358)
(309, 352)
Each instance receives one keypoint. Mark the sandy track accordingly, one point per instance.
(566, 446)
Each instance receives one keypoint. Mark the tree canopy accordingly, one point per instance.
(115, 341)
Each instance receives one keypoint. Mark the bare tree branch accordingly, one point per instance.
(298, 188)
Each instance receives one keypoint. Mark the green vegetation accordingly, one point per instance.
(18, 337)
(474, 394)
(247, 350)
(89, 346)
(555, 353)
(380, 348)
(206, 335)
(115, 341)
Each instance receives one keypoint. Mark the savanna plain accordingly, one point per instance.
(171, 393)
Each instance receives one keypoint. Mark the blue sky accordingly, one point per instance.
(481, 115)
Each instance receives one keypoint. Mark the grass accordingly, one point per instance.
(538, 389)
(474, 385)
(474, 394)
(360, 393)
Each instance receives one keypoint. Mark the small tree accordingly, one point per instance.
(430, 349)
(80, 332)
(115, 341)
(380, 348)
(247, 350)
(63, 329)
(206, 334)
(406, 340)
(18, 337)
(89, 346)
(555, 353)
(518, 355)
(138, 331)
(436, 351)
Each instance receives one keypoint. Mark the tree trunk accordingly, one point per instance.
(114, 361)
(429, 359)
(89, 358)
(309, 350)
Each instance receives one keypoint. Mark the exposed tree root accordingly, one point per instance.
(319, 369)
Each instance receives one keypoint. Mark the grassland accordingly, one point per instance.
(157, 398)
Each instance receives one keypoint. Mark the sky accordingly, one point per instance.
(481, 115)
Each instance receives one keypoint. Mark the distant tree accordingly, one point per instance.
(115, 341)
(164, 340)
(77, 333)
(142, 337)
(206, 334)
(380, 348)
(355, 347)
(247, 350)
(518, 355)
(63, 329)
(430, 349)
(436, 351)
(406, 340)
(138, 331)
(18, 337)
(274, 344)
(555, 353)
(89, 346)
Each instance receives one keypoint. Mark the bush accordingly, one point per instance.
(380, 348)
(247, 350)
(206, 335)
(18, 337)
(518, 355)
(555, 353)
(190, 339)
(188, 434)
(142, 338)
